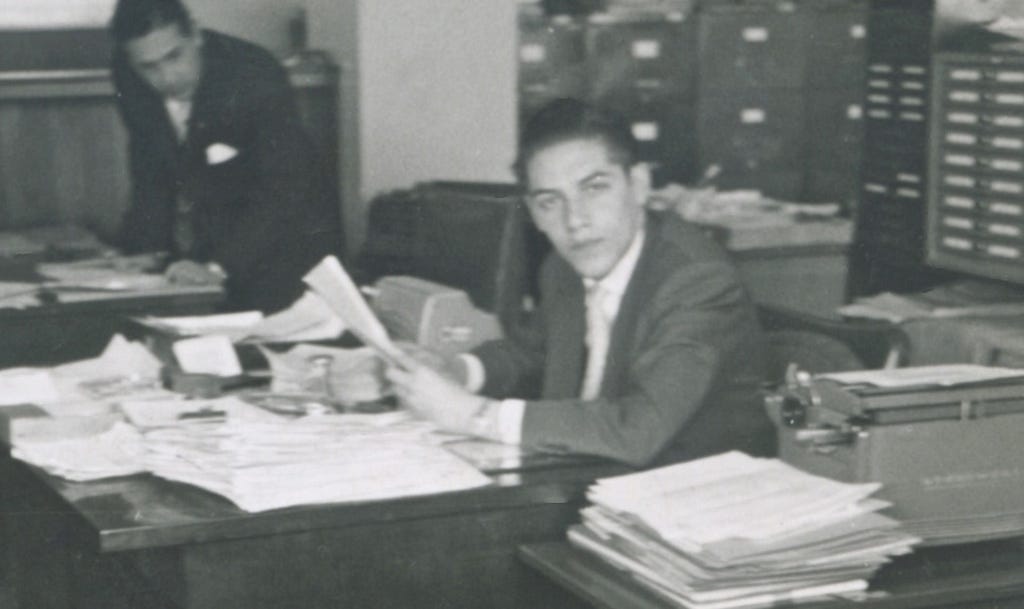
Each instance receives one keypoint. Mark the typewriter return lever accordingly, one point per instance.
(796, 404)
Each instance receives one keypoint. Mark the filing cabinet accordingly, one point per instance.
(889, 238)
(639, 63)
(976, 203)
(552, 59)
(642, 58)
(738, 83)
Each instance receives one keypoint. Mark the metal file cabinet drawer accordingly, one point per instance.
(982, 141)
(642, 56)
(994, 164)
(755, 129)
(838, 120)
(836, 47)
(552, 55)
(665, 136)
(750, 48)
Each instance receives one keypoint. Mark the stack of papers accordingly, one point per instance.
(118, 451)
(968, 298)
(733, 531)
(326, 459)
(124, 370)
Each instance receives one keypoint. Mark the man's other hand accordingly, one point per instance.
(190, 272)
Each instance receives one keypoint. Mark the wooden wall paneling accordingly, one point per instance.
(62, 160)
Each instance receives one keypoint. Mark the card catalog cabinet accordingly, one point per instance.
(976, 203)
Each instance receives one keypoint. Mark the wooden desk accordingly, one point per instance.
(81, 327)
(141, 542)
(979, 576)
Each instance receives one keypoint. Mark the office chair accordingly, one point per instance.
(817, 344)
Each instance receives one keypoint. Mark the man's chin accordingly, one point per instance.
(590, 269)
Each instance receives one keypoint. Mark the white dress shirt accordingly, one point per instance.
(179, 111)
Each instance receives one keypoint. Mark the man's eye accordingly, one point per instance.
(595, 187)
(545, 203)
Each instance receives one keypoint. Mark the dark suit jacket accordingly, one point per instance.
(684, 364)
(268, 214)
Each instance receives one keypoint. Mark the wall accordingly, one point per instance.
(334, 28)
(435, 89)
(262, 21)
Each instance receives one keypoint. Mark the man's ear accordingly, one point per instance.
(640, 182)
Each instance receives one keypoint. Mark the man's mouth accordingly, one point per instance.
(583, 245)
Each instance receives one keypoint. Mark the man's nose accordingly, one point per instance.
(163, 78)
(576, 212)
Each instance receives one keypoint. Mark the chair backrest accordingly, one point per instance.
(818, 344)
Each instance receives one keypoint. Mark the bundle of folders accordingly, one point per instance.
(734, 531)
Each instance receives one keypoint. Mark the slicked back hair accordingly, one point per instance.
(568, 119)
(136, 18)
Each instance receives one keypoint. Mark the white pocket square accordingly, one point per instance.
(219, 153)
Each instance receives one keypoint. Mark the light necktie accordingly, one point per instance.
(598, 336)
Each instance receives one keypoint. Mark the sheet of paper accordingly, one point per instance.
(945, 375)
(118, 451)
(233, 325)
(27, 386)
(18, 295)
(212, 354)
(309, 318)
(333, 284)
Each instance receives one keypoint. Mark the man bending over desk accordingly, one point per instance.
(646, 347)
(223, 176)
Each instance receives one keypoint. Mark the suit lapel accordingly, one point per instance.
(566, 328)
(638, 291)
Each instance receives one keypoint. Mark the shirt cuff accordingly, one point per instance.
(475, 375)
(510, 421)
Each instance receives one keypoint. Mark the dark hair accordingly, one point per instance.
(571, 119)
(136, 18)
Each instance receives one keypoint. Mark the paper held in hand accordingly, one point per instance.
(330, 281)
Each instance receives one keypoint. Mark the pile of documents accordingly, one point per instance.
(323, 459)
(734, 531)
(964, 298)
(118, 451)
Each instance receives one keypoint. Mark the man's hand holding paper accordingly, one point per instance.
(437, 397)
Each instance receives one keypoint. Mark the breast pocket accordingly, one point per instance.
(227, 173)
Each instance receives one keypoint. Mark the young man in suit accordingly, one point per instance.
(223, 175)
(647, 348)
